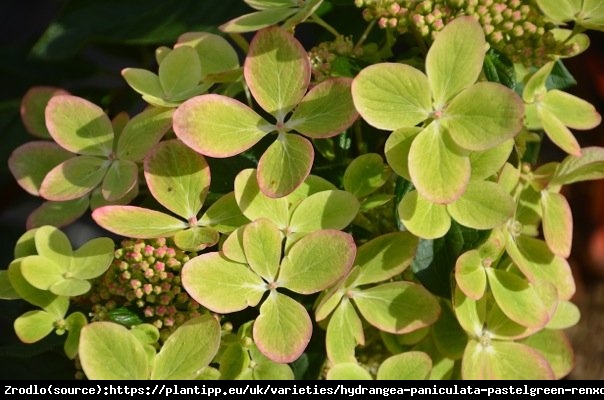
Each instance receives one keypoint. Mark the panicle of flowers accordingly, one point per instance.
(323, 55)
(145, 276)
(517, 28)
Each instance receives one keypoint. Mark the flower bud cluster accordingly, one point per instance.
(323, 55)
(145, 275)
(517, 28)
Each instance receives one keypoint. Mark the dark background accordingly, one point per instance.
(44, 42)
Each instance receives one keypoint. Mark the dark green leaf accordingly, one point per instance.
(560, 77)
(498, 68)
(124, 316)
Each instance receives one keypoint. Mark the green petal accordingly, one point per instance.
(348, 372)
(365, 174)
(556, 348)
(571, 110)
(325, 111)
(92, 258)
(397, 149)
(224, 57)
(178, 178)
(588, 166)
(423, 218)
(437, 170)
(221, 285)
(504, 361)
(344, 333)
(483, 116)
(109, 351)
(32, 108)
(30, 175)
(137, 222)
(73, 178)
(397, 307)
(257, 20)
(179, 72)
(205, 123)
(455, 59)
(557, 223)
(488, 163)
(285, 165)
(470, 274)
(79, 126)
(391, 95)
(411, 365)
(262, 242)
(196, 238)
(255, 204)
(562, 12)
(277, 71)
(224, 214)
(329, 209)
(190, 347)
(34, 325)
(120, 179)
(58, 213)
(142, 132)
(143, 82)
(384, 257)
(484, 205)
(317, 261)
(42, 272)
(283, 329)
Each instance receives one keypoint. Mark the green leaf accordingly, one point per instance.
(190, 347)
(30, 175)
(423, 218)
(33, 104)
(588, 166)
(504, 361)
(142, 132)
(285, 165)
(483, 116)
(384, 257)
(34, 325)
(517, 298)
(79, 126)
(498, 68)
(329, 209)
(348, 372)
(484, 205)
(411, 365)
(178, 178)
(317, 261)
(365, 174)
(257, 20)
(391, 95)
(201, 119)
(268, 4)
(556, 348)
(283, 329)
(223, 215)
(470, 274)
(221, 285)
(277, 71)
(232, 360)
(557, 223)
(120, 179)
(325, 111)
(397, 307)
(109, 351)
(262, 243)
(255, 204)
(73, 178)
(455, 59)
(137, 222)
(179, 73)
(438, 170)
(344, 333)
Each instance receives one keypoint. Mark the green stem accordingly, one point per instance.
(240, 41)
(321, 22)
(365, 34)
